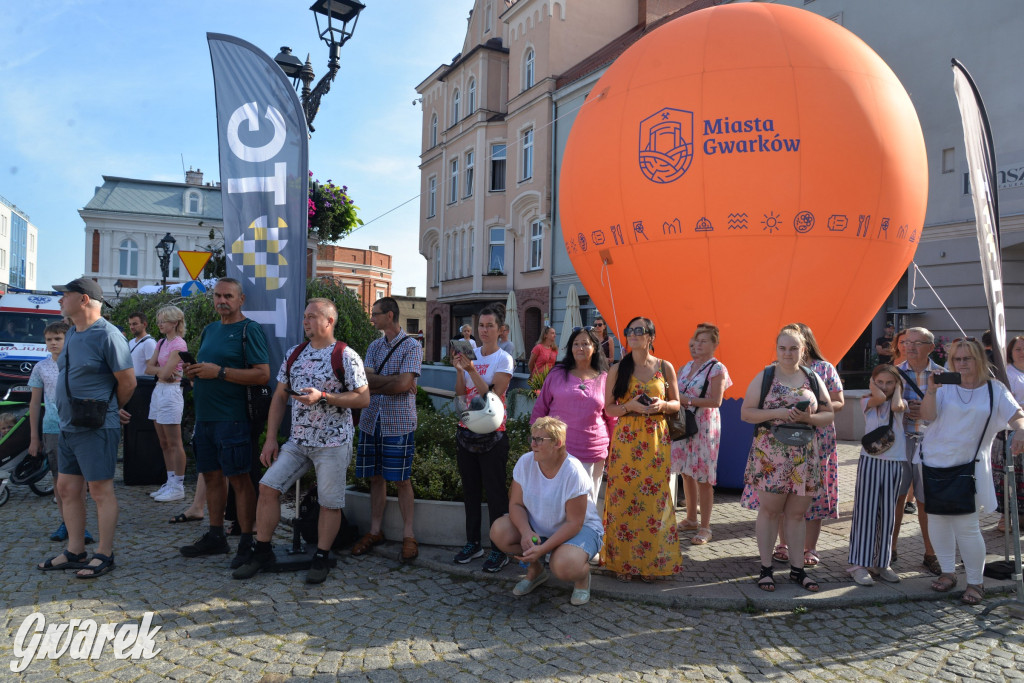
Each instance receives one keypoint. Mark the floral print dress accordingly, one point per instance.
(639, 518)
(697, 457)
(826, 503)
(775, 467)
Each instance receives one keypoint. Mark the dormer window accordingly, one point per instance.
(193, 202)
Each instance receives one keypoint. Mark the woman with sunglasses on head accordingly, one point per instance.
(638, 508)
(702, 384)
(606, 339)
(1015, 374)
(550, 511)
(964, 420)
(785, 476)
(574, 392)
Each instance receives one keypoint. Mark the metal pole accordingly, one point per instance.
(1015, 605)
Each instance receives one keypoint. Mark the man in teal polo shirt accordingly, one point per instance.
(222, 440)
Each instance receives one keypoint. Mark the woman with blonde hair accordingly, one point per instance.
(544, 353)
(166, 406)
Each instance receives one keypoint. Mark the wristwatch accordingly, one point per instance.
(222, 373)
(323, 400)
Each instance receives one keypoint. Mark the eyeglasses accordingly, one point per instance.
(636, 331)
(916, 343)
(540, 439)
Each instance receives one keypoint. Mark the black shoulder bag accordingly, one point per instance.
(90, 413)
(950, 490)
(683, 424)
(789, 433)
(880, 439)
(257, 396)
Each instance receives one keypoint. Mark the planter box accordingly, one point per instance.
(850, 420)
(434, 522)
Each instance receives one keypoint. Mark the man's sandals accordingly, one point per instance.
(364, 544)
(105, 566)
(71, 561)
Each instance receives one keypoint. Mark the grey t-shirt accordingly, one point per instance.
(96, 354)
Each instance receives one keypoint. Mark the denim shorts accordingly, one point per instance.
(91, 454)
(294, 460)
(387, 456)
(587, 540)
(224, 446)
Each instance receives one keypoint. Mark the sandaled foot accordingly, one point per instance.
(811, 558)
(798, 575)
(688, 525)
(766, 581)
(410, 550)
(931, 563)
(66, 560)
(1001, 527)
(702, 536)
(973, 594)
(364, 544)
(624, 578)
(92, 571)
(945, 583)
(183, 517)
(781, 553)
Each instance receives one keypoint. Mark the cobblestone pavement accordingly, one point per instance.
(377, 620)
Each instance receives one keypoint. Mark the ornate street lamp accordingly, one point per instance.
(118, 286)
(165, 248)
(343, 12)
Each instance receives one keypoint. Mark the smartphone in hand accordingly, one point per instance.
(292, 392)
(644, 399)
(947, 378)
(803, 405)
(186, 357)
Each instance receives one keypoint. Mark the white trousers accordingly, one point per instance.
(949, 531)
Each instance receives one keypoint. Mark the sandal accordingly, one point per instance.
(702, 536)
(624, 578)
(781, 553)
(687, 525)
(798, 575)
(973, 594)
(811, 558)
(105, 566)
(769, 585)
(364, 544)
(181, 518)
(410, 550)
(945, 583)
(931, 563)
(71, 561)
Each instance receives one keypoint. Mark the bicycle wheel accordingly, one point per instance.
(5, 493)
(44, 486)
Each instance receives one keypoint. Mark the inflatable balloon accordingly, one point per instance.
(749, 165)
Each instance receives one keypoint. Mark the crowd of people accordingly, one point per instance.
(633, 426)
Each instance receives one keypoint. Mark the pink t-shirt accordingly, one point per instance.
(166, 346)
(580, 405)
(546, 358)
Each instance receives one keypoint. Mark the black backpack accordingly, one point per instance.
(309, 519)
(766, 384)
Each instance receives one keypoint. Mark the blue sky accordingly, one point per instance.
(91, 88)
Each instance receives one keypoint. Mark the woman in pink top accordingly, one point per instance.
(166, 406)
(545, 353)
(574, 393)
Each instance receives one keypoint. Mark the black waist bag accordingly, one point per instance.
(90, 413)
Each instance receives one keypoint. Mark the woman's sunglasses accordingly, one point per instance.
(636, 331)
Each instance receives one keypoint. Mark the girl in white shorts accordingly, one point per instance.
(167, 403)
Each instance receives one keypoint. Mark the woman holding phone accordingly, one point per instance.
(639, 512)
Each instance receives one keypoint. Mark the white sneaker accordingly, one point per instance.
(160, 491)
(171, 494)
(862, 577)
(889, 576)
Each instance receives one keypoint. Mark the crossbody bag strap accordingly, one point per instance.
(245, 360)
(388, 356)
(991, 403)
(911, 382)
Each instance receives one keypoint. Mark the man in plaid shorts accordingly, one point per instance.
(387, 429)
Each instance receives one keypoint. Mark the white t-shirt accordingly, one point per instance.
(879, 417)
(488, 366)
(141, 352)
(1016, 378)
(545, 498)
(953, 435)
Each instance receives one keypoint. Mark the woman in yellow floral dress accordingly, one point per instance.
(639, 518)
(786, 477)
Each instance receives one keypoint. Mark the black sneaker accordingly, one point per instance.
(470, 551)
(318, 570)
(910, 508)
(207, 544)
(257, 562)
(495, 561)
(244, 554)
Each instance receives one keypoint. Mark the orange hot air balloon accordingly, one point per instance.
(749, 165)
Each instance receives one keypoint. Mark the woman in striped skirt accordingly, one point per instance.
(878, 481)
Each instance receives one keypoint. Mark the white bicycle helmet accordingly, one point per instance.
(484, 414)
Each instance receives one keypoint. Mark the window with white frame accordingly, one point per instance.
(31, 271)
(453, 179)
(469, 174)
(528, 69)
(432, 196)
(31, 243)
(536, 245)
(472, 251)
(460, 239)
(433, 130)
(528, 154)
(3, 225)
(447, 256)
(471, 97)
(192, 202)
(497, 168)
(496, 251)
(128, 258)
(456, 102)
(451, 257)
(3, 258)
(437, 265)
(487, 18)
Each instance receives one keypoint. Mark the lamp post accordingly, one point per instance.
(118, 286)
(345, 12)
(165, 248)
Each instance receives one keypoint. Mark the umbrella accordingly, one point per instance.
(515, 333)
(572, 316)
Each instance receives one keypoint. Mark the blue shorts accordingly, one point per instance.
(224, 446)
(91, 454)
(587, 540)
(387, 456)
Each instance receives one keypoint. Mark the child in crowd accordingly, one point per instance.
(7, 422)
(44, 385)
(878, 480)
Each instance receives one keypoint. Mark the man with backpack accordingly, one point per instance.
(326, 380)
